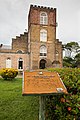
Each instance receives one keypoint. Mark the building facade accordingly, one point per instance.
(38, 48)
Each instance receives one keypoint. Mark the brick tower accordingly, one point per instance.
(38, 48)
(45, 50)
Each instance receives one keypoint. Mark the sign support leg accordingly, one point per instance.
(42, 108)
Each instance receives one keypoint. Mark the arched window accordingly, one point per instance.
(19, 51)
(57, 53)
(43, 35)
(8, 63)
(43, 50)
(20, 63)
(43, 18)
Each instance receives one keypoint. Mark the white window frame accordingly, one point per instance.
(8, 63)
(43, 50)
(43, 35)
(43, 18)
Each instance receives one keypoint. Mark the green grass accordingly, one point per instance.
(14, 106)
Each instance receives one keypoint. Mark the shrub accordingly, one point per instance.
(8, 73)
(65, 107)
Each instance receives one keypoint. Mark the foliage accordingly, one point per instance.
(72, 62)
(77, 60)
(8, 73)
(14, 106)
(72, 47)
(65, 106)
(68, 62)
(72, 57)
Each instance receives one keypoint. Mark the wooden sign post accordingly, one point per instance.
(42, 83)
(41, 107)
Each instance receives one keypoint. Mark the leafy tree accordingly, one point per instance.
(68, 62)
(72, 47)
(73, 57)
(77, 59)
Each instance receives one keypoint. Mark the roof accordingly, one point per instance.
(5, 47)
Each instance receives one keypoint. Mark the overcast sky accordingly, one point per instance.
(14, 15)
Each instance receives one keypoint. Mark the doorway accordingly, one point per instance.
(42, 64)
(20, 63)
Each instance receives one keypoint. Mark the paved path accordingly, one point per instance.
(19, 76)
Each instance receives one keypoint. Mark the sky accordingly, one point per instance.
(14, 18)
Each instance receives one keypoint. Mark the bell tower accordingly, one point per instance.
(41, 36)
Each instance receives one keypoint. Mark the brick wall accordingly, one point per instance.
(29, 43)
(34, 29)
(34, 15)
(20, 43)
(59, 50)
(14, 60)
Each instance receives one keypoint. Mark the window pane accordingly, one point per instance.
(43, 18)
(8, 63)
(43, 51)
(43, 35)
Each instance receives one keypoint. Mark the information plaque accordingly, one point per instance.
(42, 82)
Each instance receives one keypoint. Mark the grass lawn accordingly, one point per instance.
(14, 106)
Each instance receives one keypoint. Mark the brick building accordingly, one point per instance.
(38, 48)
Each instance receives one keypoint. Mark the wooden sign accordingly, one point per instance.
(42, 82)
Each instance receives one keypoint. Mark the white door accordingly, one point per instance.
(8, 63)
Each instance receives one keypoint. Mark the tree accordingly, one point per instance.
(77, 60)
(68, 62)
(72, 48)
(72, 58)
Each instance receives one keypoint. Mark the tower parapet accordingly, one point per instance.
(34, 15)
(42, 7)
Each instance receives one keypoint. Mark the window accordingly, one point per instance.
(19, 51)
(57, 53)
(43, 50)
(8, 63)
(43, 35)
(43, 18)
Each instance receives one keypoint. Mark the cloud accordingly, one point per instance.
(14, 13)
(12, 19)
